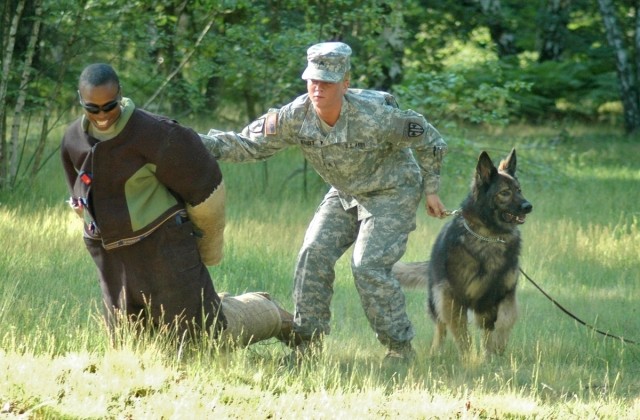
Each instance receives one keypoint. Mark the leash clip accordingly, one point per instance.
(451, 212)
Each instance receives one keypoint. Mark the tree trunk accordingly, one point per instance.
(4, 83)
(62, 66)
(501, 35)
(624, 66)
(554, 29)
(184, 61)
(22, 93)
(636, 40)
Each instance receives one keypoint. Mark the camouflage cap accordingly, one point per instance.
(327, 61)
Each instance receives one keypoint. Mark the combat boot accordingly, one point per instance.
(305, 350)
(402, 352)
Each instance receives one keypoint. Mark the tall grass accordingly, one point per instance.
(581, 244)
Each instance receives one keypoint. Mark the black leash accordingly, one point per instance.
(555, 302)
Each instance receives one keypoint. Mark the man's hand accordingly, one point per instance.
(76, 205)
(434, 206)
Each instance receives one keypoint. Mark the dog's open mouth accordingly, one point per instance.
(512, 218)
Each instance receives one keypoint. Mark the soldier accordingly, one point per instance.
(152, 201)
(377, 159)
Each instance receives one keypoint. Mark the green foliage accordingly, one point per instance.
(448, 97)
(253, 53)
(574, 88)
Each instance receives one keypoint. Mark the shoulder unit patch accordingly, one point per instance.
(414, 129)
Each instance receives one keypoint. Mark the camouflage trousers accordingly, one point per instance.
(379, 242)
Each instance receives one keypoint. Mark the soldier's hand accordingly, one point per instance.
(434, 206)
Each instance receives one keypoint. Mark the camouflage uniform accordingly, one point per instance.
(377, 184)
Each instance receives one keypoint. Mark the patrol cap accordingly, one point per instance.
(328, 62)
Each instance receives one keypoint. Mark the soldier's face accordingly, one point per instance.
(101, 104)
(326, 95)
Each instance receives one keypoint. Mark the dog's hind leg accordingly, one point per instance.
(438, 337)
(440, 333)
(454, 316)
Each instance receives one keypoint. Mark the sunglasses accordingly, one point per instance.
(95, 109)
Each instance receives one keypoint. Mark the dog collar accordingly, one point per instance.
(482, 238)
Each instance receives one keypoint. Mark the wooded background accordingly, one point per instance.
(469, 61)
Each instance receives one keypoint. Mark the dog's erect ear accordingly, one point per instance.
(508, 165)
(485, 169)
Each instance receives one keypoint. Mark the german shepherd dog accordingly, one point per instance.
(474, 260)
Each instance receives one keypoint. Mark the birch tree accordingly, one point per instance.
(7, 60)
(22, 94)
(627, 76)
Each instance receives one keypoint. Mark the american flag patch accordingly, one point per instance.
(271, 124)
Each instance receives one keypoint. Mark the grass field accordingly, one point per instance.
(581, 244)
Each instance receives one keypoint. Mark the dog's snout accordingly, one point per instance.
(526, 207)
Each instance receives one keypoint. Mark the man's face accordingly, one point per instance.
(101, 104)
(326, 95)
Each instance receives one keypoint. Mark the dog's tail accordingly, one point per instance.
(411, 275)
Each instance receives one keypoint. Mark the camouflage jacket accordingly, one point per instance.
(376, 156)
